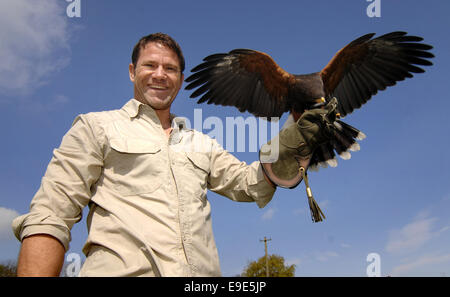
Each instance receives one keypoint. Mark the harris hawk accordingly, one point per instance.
(252, 81)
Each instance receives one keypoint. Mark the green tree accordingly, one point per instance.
(8, 269)
(277, 267)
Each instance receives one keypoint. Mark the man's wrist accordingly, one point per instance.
(269, 181)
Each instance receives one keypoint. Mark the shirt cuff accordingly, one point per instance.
(261, 190)
(33, 224)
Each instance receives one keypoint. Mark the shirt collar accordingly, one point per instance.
(134, 107)
(178, 122)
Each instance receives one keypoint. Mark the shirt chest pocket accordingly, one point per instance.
(197, 170)
(136, 166)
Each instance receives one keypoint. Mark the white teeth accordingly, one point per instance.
(158, 87)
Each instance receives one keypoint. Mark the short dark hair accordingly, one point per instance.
(162, 38)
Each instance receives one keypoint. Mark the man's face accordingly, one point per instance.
(157, 77)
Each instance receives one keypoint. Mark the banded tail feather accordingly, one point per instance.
(343, 143)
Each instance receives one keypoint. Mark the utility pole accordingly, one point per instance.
(267, 257)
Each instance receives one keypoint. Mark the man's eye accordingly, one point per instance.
(171, 69)
(149, 65)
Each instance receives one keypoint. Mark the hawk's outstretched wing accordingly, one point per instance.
(244, 78)
(365, 66)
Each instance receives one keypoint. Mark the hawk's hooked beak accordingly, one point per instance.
(319, 102)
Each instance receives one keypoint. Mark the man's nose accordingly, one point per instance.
(159, 73)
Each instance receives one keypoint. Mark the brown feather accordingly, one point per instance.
(333, 72)
(251, 80)
(365, 66)
(247, 79)
(276, 81)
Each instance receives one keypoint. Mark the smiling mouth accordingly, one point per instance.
(157, 87)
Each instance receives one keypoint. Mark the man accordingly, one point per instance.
(144, 178)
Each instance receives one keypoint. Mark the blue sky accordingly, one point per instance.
(391, 198)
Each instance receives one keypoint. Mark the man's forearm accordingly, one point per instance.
(40, 255)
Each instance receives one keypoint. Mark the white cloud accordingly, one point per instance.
(403, 269)
(293, 261)
(299, 211)
(324, 204)
(268, 214)
(6, 218)
(60, 99)
(411, 236)
(414, 235)
(325, 256)
(46, 105)
(415, 240)
(34, 43)
(345, 245)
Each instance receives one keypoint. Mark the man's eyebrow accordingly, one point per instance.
(148, 61)
(154, 61)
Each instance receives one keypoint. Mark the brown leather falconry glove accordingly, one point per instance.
(294, 145)
(285, 158)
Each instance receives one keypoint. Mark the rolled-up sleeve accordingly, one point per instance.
(237, 180)
(67, 184)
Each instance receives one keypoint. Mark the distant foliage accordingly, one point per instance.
(277, 268)
(8, 269)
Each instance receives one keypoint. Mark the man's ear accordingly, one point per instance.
(131, 72)
(181, 80)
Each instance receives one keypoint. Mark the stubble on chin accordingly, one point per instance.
(159, 104)
(165, 104)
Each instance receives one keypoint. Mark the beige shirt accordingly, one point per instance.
(148, 210)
